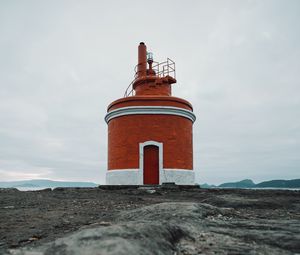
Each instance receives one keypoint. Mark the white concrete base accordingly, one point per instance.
(133, 177)
(179, 176)
(122, 177)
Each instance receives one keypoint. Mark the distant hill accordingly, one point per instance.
(279, 184)
(207, 186)
(247, 183)
(45, 184)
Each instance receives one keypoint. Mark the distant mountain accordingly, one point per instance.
(279, 184)
(247, 183)
(207, 186)
(45, 184)
(26, 185)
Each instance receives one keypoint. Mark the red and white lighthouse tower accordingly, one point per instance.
(150, 132)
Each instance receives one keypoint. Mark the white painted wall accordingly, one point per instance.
(133, 177)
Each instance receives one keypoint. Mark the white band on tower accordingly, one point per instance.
(134, 110)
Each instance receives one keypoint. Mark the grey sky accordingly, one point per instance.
(63, 62)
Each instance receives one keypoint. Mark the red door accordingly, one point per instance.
(151, 166)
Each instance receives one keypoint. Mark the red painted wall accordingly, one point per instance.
(126, 132)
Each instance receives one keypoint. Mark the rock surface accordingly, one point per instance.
(136, 221)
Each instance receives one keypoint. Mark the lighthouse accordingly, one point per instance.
(150, 132)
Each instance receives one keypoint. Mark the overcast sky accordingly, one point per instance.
(63, 62)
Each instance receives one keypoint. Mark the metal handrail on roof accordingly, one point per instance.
(163, 69)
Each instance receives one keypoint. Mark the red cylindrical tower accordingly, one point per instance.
(150, 137)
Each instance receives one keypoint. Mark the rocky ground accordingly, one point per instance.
(153, 220)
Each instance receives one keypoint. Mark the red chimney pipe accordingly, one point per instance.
(142, 60)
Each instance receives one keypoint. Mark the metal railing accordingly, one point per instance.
(163, 69)
(129, 91)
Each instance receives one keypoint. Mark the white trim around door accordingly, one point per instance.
(160, 160)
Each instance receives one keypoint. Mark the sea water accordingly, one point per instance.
(31, 188)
